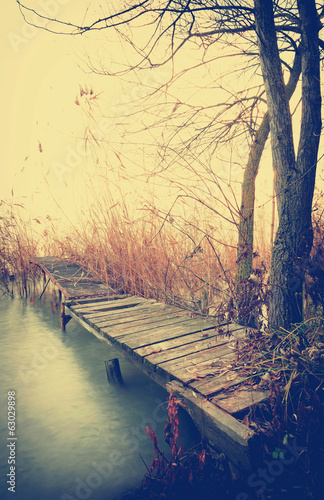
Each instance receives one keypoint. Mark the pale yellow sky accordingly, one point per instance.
(41, 77)
(39, 82)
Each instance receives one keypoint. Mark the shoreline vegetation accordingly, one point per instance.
(192, 264)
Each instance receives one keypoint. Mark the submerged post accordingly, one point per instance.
(114, 375)
(65, 318)
(46, 284)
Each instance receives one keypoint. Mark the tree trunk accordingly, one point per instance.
(294, 178)
(246, 223)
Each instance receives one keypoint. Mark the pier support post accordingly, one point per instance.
(65, 318)
(46, 285)
(114, 375)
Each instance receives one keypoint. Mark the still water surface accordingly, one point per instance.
(77, 437)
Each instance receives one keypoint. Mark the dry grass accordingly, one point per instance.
(176, 261)
(165, 259)
(184, 262)
(21, 240)
(17, 247)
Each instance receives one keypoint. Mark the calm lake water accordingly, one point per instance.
(77, 437)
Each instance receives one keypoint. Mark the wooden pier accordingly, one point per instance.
(191, 357)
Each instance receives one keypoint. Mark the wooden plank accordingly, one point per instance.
(184, 368)
(119, 351)
(134, 313)
(129, 331)
(95, 302)
(190, 349)
(210, 355)
(168, 331)
(111, 305)
(92, 300)
(146, 306)
(201, 370)
(71, 279)
(181, 351)
(240, 400)
(185, 338)
(148, 321)
(139, 320)
(181, 340)
(216, 383)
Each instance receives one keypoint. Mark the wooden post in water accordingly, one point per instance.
(65, 318)
(114, 375)
(46, 284)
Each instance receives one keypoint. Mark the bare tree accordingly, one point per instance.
(285, 33)
(294, 173)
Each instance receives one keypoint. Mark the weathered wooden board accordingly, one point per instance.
(73, 281)
(185, 350)
(124, 331)
(194, 359)
(176, 342)
(110, 305)
(240, 399)
(96, 299)
(134, 318)
(185, 338)
(216, 383)
(187, 370)
(198, 371)
(161, 332)
(139, 321)
(131, 311)
(91, 302)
